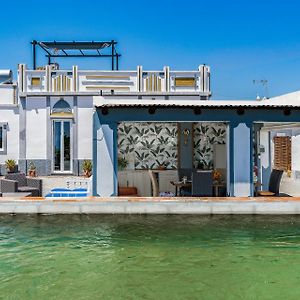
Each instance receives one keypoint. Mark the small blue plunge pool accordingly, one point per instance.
(67, 193)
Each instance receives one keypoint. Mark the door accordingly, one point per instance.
(62, 146)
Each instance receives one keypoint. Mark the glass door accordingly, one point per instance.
(62, 154)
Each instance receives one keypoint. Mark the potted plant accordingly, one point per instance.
(32, 170)
(217, 176)
(122, 163)
(87, 167)
(10, 165)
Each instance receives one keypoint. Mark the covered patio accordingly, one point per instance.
(172, 159)
(241, 118)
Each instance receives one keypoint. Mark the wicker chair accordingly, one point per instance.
(19, 183)
(154, 183)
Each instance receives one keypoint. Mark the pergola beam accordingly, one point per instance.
(59, 49)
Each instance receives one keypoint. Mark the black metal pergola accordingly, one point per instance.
(78, 49)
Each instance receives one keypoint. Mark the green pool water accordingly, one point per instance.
(149, 257)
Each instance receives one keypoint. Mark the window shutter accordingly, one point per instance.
(282, 153)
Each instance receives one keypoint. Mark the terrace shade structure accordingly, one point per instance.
(77, 49)
(244, 119)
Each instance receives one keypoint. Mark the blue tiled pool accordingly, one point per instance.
(67, 193)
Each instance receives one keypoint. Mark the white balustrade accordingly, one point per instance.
(117, 82)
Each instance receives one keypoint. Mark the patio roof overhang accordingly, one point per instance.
(212, 104)
(288, 101)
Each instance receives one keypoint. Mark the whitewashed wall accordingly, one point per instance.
(11, 116)
(36, 128)
(9, 113)
(85, 127)
(7, 94)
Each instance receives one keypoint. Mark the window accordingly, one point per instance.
(61, 106)
(3, 131)
(35, 81)
(282, 153)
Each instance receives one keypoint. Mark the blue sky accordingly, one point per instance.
(240, 40)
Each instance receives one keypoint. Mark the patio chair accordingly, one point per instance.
(185, 172)
(19, 183)
(274, 185)
(202, 183)
(154, 182)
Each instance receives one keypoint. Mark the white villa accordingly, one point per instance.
(160, 120)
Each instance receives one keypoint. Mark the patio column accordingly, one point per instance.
(241, 144)
(265, 157)
(105, 160)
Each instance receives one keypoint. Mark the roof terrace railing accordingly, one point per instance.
(49, 80)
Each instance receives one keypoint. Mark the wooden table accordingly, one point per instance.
(216, 187)
(179, 185)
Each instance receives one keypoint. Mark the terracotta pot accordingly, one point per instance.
(32, 173)
(161, 168)
(127, 191)
(87, 173)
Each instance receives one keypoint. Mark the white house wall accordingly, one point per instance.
(36, 128)
(11, 117)
(85, 127)
(7, 94)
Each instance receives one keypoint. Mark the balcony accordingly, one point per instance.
(49, 81)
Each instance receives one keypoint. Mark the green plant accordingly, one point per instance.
(10, 165)
(122, 163)
(32, 166)
(87, 167)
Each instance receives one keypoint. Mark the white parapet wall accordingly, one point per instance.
(8, 94)
(103, 81)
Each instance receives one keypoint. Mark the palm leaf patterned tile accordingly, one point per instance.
(155, 144)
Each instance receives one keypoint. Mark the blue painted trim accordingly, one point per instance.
(231, 159)
(114, 127)
(251, 128)
(96, 126)
(187, 115)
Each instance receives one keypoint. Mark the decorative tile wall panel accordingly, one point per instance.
(205, 136)
(151, 145)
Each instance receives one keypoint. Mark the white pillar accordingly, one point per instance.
(241, 159)
(105, 161)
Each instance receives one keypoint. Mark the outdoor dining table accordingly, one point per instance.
(180, 184)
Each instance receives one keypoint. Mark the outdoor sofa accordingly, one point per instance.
(19, 183)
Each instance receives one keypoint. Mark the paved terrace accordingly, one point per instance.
(151, 205)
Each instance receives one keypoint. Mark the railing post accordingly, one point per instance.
(204, 84)
(22, 78)
(167, 78)
(139, 78)
(48, 79)
(75, 78)
(207, 79)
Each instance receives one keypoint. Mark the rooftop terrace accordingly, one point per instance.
(49, 80)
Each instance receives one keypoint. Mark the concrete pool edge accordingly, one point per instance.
(119, 205)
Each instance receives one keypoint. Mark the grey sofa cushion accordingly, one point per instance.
(28, 189)
(19, 177)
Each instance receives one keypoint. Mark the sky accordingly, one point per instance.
(241, 40)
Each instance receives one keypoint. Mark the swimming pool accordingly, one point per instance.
(149, 257)
(67, 193)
